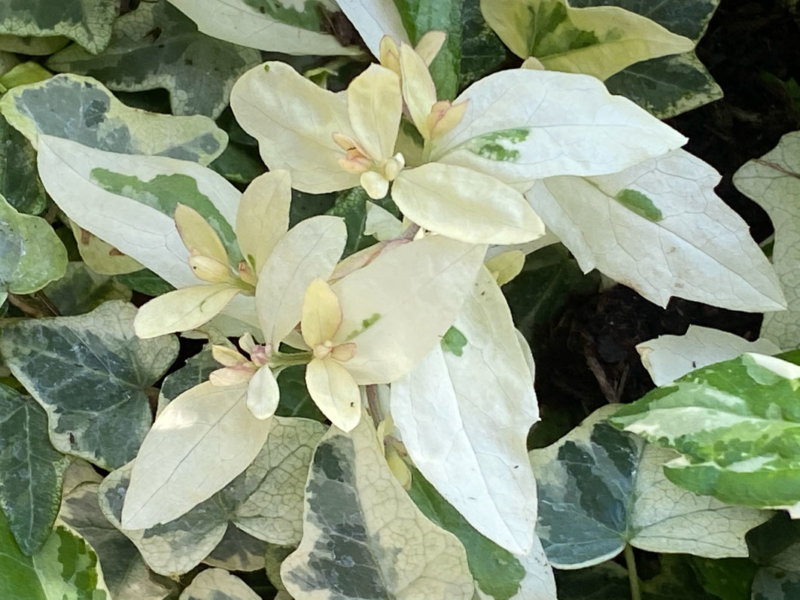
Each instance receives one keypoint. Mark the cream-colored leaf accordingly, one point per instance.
(381, 224)
(294, 122)
(614, 38)
(334, 391)
(375, 105)
(465, 205)
(218, 584)
(361, 528)
(668, 357)
(374, 19)
(263, 216)
(183, 309)
(568, 125)
(322, 313)
(197, 235)
(659, 228)
(101, 257)
(263, 393)
(419, 91)
(310, 250)
(464, 413)
(199, 443)
(240, 22)
(396, 308)
(773, 182)
(506, 266)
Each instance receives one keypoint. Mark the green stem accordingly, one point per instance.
(280, 360)
(633, 576)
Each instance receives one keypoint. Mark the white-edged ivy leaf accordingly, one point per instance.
(736, 425)
(482, 52)
(238, 551)
(264, 501)
(129, 202)
(124, 571)
(83, 110)
(91, 374)
(600, 489)
(659, 228)
(81, 290)
(290, 28)
(475, 457)
(498, 573)
(194, 372)
(773, 182)
(31, 470)
(157, 46)
(218, 584)
(19, 182)
(598, 41)
(669, 357)
(351, 205)
(363, 537)
(88, 22)
(65, 567)
(31, 254)
(100, 256)
(32, 46)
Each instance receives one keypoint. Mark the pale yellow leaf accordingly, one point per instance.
(335, 392)
(419, 91)
(263, 216)
(322, 313)
(183, 309)
(263, 393)
(197, 235)
(375, 105)
(506, 265)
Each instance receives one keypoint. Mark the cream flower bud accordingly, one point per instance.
(375, 184)
(211, 270)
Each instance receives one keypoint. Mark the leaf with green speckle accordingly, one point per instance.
(218, 584)
(351, 205)
(639, 203)
(88, 22)
(156, 46)
(600, 489)
(81, 290)
(31, 470)
(453, 341)
(91, 374)
(83, 110)
(363, 537)
(238, 551)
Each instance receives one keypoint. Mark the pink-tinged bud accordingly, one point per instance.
(260, 354)
(247, 343)
(227, 356)
(444, 116)
(344, 352)
(246, 274)
(321, 351)
(211, 270)
(375, 184)
(345, 142)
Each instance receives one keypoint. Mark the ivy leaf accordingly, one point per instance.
(81, 290)
(363, 536)
(776, 547)
(475, 458)
(266, 25)
(669, 357)
(218, 584)
(90, 373)
(736, 424)
(265, 501)
(32, 46)
(81, 109)
(600, 489)
(19, 182)
(156, 46)
(679, 238)
(31, 254)
(351, 205)
(124, 571)
(773, 182)
(65, 567)
(598, 41)
(31, 470)
(88, 22)
(238, 551)
(482, 52)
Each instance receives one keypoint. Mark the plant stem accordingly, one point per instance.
(283, 359)
(633, 576)
(372, 403)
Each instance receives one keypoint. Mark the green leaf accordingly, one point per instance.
(124, 571)
(608, 581)
(33, 46)
(145, 282)
(351, 205)
(295, 399)
(482, 52)
(421, 16)
(194, 372)
(363, 537)
(66, 567)
(737, 425)
(31, 470)
(498, 573)
(81, 290)
(19, 182)
(156, 46)
(600, 489)
(776, 547)
(91, 374)
(238, 551)
(218, 584)
(239, 164)
(88, 22)
(773, 182)
(263, 501)
(31, 254)
(84, 111)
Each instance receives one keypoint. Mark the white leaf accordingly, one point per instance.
(397, 307)
(200, 442)
(373, 19)
(522, 125)
(263, 216)
(669, 357)
(679, 239)
(464, 415)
